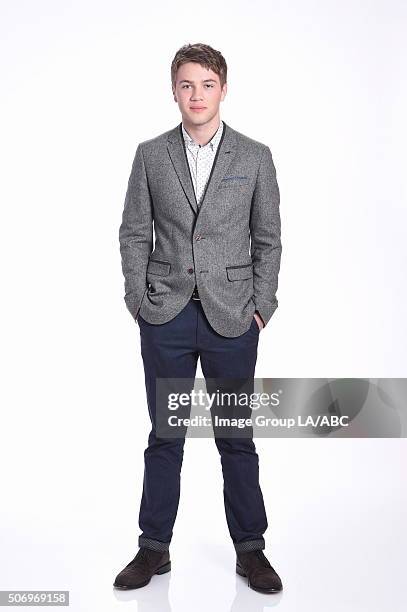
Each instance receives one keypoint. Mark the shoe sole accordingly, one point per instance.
(241, 572)
(161, 570)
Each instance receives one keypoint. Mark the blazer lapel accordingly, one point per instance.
(224, 156)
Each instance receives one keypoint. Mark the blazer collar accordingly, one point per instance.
(225, 154)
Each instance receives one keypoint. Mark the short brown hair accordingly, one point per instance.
(202, 54)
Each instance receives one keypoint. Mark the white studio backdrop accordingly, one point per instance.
(323, 84)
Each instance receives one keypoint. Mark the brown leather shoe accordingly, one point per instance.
(142, 568)
(261, 576)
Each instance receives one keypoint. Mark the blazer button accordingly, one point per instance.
(198, 237)
(190, 270)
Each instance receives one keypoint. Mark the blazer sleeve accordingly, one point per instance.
(136, 234)
(265, 233)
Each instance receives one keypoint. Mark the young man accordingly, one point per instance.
(202, 290)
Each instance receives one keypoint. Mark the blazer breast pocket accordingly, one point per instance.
(235, 273)
(234, 182)
(159, 268)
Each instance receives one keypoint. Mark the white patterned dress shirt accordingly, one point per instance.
(200, 159)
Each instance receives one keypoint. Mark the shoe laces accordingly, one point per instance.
(263, 558)
(144, 557)
(261, 561)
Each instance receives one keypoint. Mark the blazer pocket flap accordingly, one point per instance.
(162, 268)
(239, 272)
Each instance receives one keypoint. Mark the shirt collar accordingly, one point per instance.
(212, 144)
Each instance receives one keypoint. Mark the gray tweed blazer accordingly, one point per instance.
(229, 246)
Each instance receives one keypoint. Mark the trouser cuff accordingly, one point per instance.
(153, 544)
(249, 545)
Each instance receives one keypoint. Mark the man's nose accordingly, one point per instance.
(197, 94)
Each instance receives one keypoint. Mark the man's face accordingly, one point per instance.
(198, 93)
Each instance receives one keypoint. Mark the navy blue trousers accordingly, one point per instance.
(171, 350)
